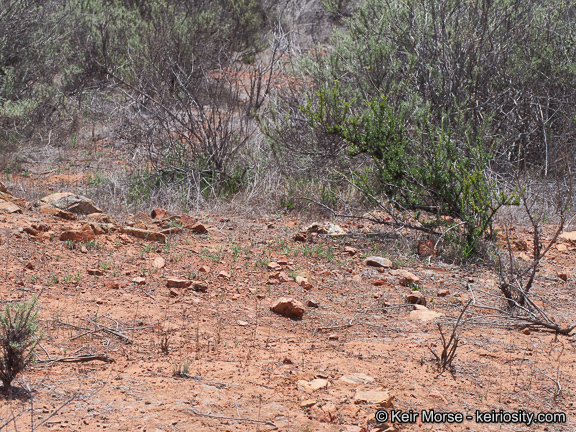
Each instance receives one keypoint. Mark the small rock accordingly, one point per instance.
(313, 303)
(350, 251)
(375, 261)
(443, 293)
(287, 361)
(357, 378)
(10, 207)
(159, 213)
(274, 266)
(178, 283)
(30, 265)
(426, 248)
(111, 285)
(3, 188)
(425, 315)
(373, 397)
(159, 262)
(408, 279)
(224, 275)
(380, 282)
(199, 286)
(199, 228)
(357, 278)
(520, 245)
(299, 237)
(139, 281)
(563, 276)
(524, 257)
(416, 297)
(78, 236)
(288, 307)
(307, 403)
(570, 235)
(97, 228)
(334, 230)
(144, 234)
(305, 274)
(204, 269)
(526, 331)
(242, 323)
(62, 214)
(83, 249)
(95, 272)
(561, 247)
(315, 227)
(333, 337)
(69, 202)
(100, 218)
(312, 386)
(283, 277)
(306, 285)
(174, 292)
(170, 231)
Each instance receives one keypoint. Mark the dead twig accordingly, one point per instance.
(449, 347)
(111, 331)
(79, 359)
(245, 419)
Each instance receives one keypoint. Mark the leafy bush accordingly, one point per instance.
(428, 171)
(19, 335)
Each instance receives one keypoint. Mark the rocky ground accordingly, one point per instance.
(215, 322)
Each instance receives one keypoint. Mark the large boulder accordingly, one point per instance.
(70, 202)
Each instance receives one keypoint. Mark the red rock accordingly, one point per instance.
(426, 248)
(199, 286)
(299, 237)
(288, 307)
(186, 221)
(111, 285)
(526, 331)
(350, 250)
(199, 228)
(174, 293)
(78, 236)
(563, 276)
(409, 278)
(139, 281)
(30, 265)
(144, 234)
(380, 282)
(95, 272)
(224, 275)
(159, 262)
(443, 293)
(520, 245)
(416, 297)
(178, 283)
(170, 231)
(274, 266)
(159, 213)
(313, 303)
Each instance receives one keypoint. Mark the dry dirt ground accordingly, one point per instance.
(180, 359)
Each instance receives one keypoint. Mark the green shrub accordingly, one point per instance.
(425, 170)
(19, 335)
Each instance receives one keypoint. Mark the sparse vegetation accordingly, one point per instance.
(434, 137)
(20, 333)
